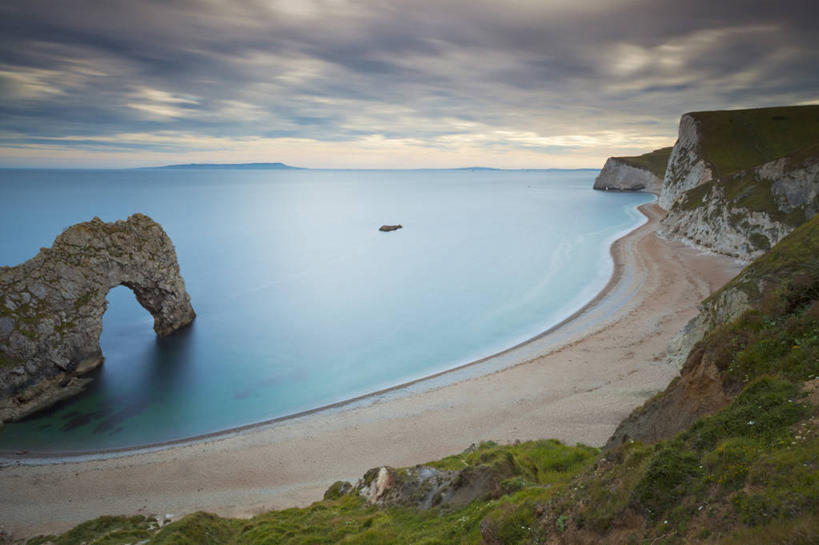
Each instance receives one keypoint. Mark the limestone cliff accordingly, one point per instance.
(686, 167)
(51, 306)
(738, 181)
(638, 173)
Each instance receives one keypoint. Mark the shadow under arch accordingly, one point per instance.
(140, 372)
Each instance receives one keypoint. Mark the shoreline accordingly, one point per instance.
(574, 382)
(52, 457)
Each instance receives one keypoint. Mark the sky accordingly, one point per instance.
(385, 83)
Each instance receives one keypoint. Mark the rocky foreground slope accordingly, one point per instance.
(639, 173)
(51, 306)
(738, 181)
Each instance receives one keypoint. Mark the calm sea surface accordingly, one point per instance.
(301, 301)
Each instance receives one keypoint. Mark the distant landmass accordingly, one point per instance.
(282, 166)
(233, 166)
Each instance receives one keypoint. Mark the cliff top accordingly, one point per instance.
(654, 161)
(735, 140)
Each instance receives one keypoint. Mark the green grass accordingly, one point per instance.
(801, 531)
(754, 464)
(530, 472)
(536, 462)
(105, 530)
(746, 462)
(655, 161)
(198, 529)
(736, 140)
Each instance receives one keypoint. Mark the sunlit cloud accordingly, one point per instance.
(344, 83)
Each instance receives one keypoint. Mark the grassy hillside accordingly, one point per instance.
(792, 262)
(748, 474)
(737, 140)
(655, 161)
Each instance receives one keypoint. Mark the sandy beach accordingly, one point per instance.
(574, 383)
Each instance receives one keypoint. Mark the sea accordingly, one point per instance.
(301, 301)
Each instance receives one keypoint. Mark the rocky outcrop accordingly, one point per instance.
(739, 181)
(51, 306)
(724, 306)
(639, 173)
(421, 487)
(388, 228)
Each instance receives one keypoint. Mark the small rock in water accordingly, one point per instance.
(387, 228)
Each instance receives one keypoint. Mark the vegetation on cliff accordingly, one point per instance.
(736, 140)
(639, 173)
(654, 161)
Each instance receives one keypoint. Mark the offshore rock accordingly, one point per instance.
(388, 228)
(51, 306)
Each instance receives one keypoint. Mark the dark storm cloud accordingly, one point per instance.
(532, 72)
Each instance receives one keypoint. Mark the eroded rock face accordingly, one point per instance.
(686, 166)
(619, 176)
(715, 219)
(51, 306)
(421, 487)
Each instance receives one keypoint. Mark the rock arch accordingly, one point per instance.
(51, 306)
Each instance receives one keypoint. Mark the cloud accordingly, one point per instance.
(525, 79)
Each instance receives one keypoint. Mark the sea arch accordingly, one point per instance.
(51, 306)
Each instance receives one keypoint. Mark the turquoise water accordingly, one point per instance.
(301, 301)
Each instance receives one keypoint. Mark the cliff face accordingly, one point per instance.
(749, 212)
(737, 182)
(686, 167)
(51, 306)
(639, 173)
(619, 176)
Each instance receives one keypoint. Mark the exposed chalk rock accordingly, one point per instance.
(739, 181)
(747, 213)
(618, 176)
(686, 166)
